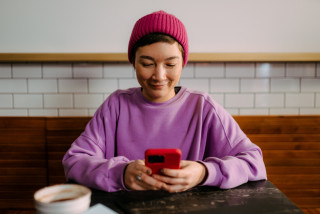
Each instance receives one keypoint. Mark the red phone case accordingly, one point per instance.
(158, 159)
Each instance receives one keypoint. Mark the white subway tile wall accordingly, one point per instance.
(269, 100)
(57, 70)
(196, 84)
(128, 83)
(34, 112)
(270, 70)
(27, 70)
(301, 70)
(239, 101)
(78, 89)
(82, 101)
(240, 70)
(58, 101)
(6, 101)
(27, 101)
(42, 86)
(188, 71)
(118, 71)
(300, 100)
(85, 70)
(73, 85)
(285, 85)
(310, 85)
(219, 85)
(209, 70)
(254, 85)
(102, 85)
(11, 86)
(5, 71)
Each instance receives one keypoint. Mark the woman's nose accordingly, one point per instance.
(159, 73)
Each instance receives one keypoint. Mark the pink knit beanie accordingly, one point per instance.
(159, 22)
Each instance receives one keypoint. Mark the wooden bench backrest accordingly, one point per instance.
(291, 150)
(31, 150)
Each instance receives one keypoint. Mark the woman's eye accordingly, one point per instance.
(146, 64)
(171, 65)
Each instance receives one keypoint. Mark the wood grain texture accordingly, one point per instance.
(61, 132)
(291, 151)
(23, 161)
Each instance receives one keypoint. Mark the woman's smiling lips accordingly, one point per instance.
(158, 86)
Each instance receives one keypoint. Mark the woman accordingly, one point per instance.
(109, 154)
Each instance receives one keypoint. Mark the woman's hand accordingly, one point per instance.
(138, 177)
(190, 174)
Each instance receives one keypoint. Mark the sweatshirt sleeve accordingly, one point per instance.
(86, 161)
(231, 158)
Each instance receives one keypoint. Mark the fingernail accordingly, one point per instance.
(148, 172)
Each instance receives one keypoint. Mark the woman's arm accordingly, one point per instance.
(91, 158)
(230, 158)
(85, 163)
(233, 170)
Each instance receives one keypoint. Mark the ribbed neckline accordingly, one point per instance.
(146, 102)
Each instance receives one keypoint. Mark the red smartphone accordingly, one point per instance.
(157, 159)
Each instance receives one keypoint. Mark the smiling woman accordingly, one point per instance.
(109, 154)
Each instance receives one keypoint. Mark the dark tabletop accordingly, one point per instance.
(253, 197)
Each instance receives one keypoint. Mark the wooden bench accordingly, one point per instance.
(31, 150)
(291, 150)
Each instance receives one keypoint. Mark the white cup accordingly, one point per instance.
(62, 199)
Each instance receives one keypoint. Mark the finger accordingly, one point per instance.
(141, 186)
(183, 163)
(139, 164)
(174, 173)
(138, 182)
(142, 181)
(170, 180)
(152, 182)
(176, 188)
(142, 167)
(139, 177)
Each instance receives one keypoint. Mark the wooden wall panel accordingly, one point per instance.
(291, 149)
(61, 132)
(23, 164)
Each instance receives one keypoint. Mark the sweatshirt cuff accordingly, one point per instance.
(124, 187)
(214, 176)
(122, 178)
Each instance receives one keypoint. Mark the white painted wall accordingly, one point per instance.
(213, 25)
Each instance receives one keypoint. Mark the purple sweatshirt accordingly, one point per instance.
(126, 124)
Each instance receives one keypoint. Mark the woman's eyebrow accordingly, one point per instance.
(172, 57)
(146, 57)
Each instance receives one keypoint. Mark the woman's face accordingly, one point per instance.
(158, 67)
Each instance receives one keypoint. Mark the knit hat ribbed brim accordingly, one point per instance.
(159, 22)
